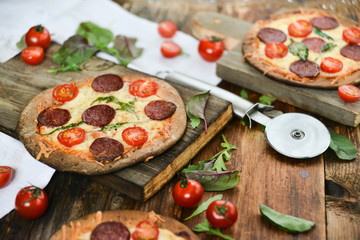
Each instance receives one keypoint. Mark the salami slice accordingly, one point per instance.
(305, 69)
(107, 83)
(160, 109)
(324, 23)
(271, 35)
(314, 44)
(110, 231)
(106, 149)
(54, 117)
(98, 115)
(351, 51)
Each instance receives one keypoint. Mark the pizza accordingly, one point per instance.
(125, 225)
(305, 47)
(102, 124)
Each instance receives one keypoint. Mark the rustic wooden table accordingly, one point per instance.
(328, 194)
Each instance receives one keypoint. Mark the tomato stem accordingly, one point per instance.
(215, 39)
(35, 191)
(39, 28)
(183, 182)
(222, 210)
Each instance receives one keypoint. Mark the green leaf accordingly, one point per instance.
(342, 146)
(219, 164)
(126, 48)
(21, 43)
(328, 47)
(196, 107)
(127, 107)
(195, 122)
(71, 125)
(244, 94)
(113, 126)
(205, 227)
(267, 100)
(215, 181)
(96, 35)
(299, 49)
(286, 222)
(203, 206)
(63, 68)
(320, 33)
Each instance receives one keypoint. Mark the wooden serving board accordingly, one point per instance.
(19, 83)
(232, 68)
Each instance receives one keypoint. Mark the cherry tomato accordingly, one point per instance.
(300, 28)
(170, 49)
(38, 36)
(188, 193)
(349, 93)
(71, 137)
(31, 202)
(221, 213)
(167, 29)
(211, 50)
(352, 35)
(5, 175)
(331, 65)
(65, 92)
(32, 55)
(142, 88)
(276, 50)
(145, 230)
(135, 136)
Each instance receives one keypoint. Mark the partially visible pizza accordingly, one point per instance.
(306, 47)
(102, 124)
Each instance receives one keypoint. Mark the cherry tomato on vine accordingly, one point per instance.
(212, 49)
(170, 49)
(221, 213)
(145, 230)
(71, 137)
(352, 35)
(31, 202)
(5, 175)
(38, 36)
(349, 93)
(65, 92)
(188, 193)
(32, 55)
(167, 29)
(300, 28)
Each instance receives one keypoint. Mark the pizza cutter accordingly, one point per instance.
(294, 135)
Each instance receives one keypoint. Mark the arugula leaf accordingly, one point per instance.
(21, 43)
(342, 146)
(195, 109)
(113, 126)
(203, 206)
(96, 35)
(328, 47)
(224, 154)
(71, 125)
(299, 49)
(320, 33)
(126, 48)
(65, 68)
(244, 94)
(205, 227)
(267, 100)
(127, 107)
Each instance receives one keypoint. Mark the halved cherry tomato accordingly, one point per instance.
(65, 92)
(276, 50)
(31, 202)
(349, 93)
(212, 49)
(142, 88)
(331, 65)
(32, 55)
(5, 175)
(135, 136)
(38, 36)
(145, 230)
(300, 28)
(71, 137)
(170, 49)
(167, 29)
(188, 193)
(352, 35)
(221, 213)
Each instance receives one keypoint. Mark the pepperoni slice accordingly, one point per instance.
(159, 109)
(106, 149)
(300, 28)
(351, 51)
(98, 115)
(135, 136)
(331, 65)
(107, 83)
(53, 117)
(305, 69)
(142, 88)
(314, 44)
(110, 231)
(271, 35)
(276, 50)
(352, 35)
(324, 23)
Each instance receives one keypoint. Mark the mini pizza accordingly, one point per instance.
(103, 124)
(305, 47)
(124, 225)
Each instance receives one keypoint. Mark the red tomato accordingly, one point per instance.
(211, 50)
(331, 65)
(38, 36)
(349, 93)
(145, 230)
(32, 55)
(167, 29)
(142, 88)
(135, 136)
(300, 28)
(65, 92)
(31, 202)
(221, 213)
(276, 50)
(169, 49)
(5, 175)
(188, 193)
(71, 137)
(352, 35)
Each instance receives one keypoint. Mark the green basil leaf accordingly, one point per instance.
(21, 43)
(299, 49)
(113, 126)
(215, 181)
(285, 222)
(205, 227)
(196, 107)
(320, 33)
(267, 100)
(71, 125)
(203, 206)
(96, 35)
(342, 146)
(244, 94)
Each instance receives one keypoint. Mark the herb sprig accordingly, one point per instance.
(127, 107)
(71, 125)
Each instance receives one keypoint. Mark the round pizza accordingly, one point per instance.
(102, 124)
(305, 47)
(125, 225)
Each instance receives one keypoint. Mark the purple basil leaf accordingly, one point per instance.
(196, 106)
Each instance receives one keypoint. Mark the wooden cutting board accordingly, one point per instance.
(19, 83)
(232, 68)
